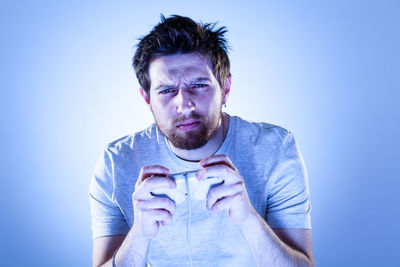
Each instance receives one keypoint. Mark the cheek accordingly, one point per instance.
(209, 101)
(216, 103)
(162, 112)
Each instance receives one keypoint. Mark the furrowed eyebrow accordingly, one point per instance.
(196, 80)
(162, 86)
(201, 79)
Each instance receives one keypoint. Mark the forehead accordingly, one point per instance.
(179, 67)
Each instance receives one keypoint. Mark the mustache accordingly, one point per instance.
(193, 115)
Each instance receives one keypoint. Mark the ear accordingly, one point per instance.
(227, 89)
(144, 95)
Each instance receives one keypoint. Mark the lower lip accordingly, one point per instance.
(188, 127)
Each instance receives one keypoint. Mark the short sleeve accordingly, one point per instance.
(288, 204)
(107, 218)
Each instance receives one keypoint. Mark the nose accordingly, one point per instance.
(184, 103)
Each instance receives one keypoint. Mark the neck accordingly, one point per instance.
(209, 148)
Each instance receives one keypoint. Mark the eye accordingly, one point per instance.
(167, 91)
(199, 85)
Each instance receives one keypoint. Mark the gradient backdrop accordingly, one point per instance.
(328, 71)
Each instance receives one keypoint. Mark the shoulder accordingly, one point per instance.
(129, 142)
(260, 132)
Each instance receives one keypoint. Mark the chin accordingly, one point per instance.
(190, 140)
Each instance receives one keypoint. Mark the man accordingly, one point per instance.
(259, 215)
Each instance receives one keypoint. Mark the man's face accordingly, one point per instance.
(185, 99)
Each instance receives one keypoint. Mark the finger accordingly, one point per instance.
(222, 191)
(142, 192)
(217, 159)
(226, 203)
(157, 182)
(157, 215)
(149, 170)
(156, 203)
(222, 171)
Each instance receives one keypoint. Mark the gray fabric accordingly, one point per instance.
(266, 156)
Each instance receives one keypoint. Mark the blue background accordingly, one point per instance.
(328, 71)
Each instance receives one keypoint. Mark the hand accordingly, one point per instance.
(231, 195)
(150, 210)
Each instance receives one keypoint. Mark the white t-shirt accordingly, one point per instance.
(266, 156)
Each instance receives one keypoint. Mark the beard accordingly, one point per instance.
(194, 139)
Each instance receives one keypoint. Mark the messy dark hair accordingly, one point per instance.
(178, 34)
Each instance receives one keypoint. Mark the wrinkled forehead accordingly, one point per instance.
(179, 68)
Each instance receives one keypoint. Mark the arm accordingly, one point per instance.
(104, 247)
(132, 250)
(277, 247)
(149, 212)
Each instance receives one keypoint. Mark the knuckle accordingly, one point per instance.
(238, 196)
(168, 204)
(239, 185)
(146, 182)
(136, 195)
(137, 184)
(173, 209)
(138, 204)
(164, 214)
(213, 193)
